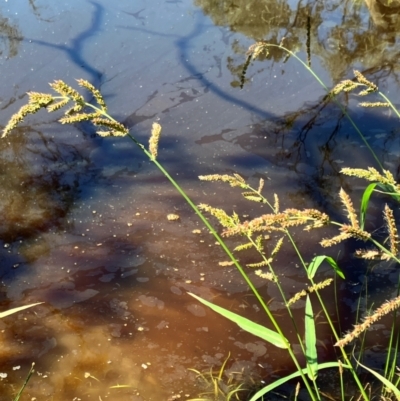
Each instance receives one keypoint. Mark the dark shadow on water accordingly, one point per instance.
(183, 46)
(75, 51)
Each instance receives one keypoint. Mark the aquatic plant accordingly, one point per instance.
(31, 371)
(309, 219)
(277, 222)
(215, 387)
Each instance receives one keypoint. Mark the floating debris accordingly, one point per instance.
(226, 263)
(173, 217)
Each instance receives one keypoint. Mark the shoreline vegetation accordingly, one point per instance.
(349, 347)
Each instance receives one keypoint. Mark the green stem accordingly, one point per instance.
(230, 255)
(343, 110)
(299, 255)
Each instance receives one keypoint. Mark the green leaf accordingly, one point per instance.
(285, 379)
(311, 341)
(316, 262)
(385, 381)
(365, 201)
(15, 310)
(389, 190)
(247, 325)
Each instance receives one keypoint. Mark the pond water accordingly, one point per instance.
(84, 225)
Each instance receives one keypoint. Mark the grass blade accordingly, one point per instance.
(384, 381)
(316, 263)
(311, 341)
(15, 310)
(365, 202)
(221, 371)
(285, 379)
(247, 325)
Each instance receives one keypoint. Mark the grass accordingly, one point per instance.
(219, 386)
(282, 222)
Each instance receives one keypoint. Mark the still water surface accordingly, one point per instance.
(84, 226)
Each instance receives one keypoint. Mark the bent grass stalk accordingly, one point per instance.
(256, 49)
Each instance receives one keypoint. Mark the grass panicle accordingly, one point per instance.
(369, 254)
(384, 309)
(374, 104)
(78, 117)
(117, 128)
(277, 247)
(75, 114)
(276, 204)
(252, 197)
(243, 247)
(256, 49)
(266, 275)
(154, 139)
(260, 186)
(257, 265)
(347, 232)
(344, 86)
(57, 105)
(67, 91)
(233, 180)
(41, 99)
(19, 117)
(371, 87)
(313, 288)
(392, 230)
(309, 218)
(224, 219)
(348, 204)
(373, 175)
(95, 92)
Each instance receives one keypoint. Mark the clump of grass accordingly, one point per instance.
(219, 385)
(256, 232)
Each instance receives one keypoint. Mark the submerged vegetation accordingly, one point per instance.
(381, 382)
(220, 386)
(31, 371)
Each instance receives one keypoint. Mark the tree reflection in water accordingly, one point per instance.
(314, 140)
(39, 182)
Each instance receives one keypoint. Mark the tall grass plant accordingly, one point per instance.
(282, 222)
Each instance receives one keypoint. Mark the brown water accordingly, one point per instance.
(84, 224)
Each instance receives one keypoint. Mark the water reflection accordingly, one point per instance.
(39, 185)
(11, 38)
(340, 34)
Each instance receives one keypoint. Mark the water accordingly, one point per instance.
(84, 220)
